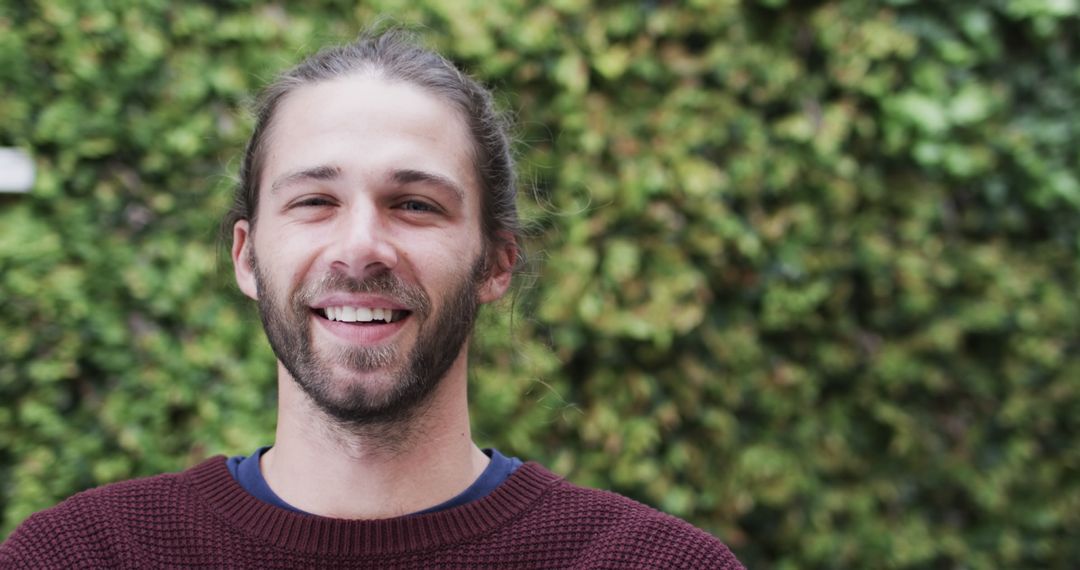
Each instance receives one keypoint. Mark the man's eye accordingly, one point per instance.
(314, 201)
(416, 206)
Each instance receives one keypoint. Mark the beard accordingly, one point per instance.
(412, 377)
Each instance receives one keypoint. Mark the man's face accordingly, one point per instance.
(368, 262)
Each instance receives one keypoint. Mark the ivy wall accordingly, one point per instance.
(805, 272)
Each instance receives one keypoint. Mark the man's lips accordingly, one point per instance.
(360, 308)
(371, 332)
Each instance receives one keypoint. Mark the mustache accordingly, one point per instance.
(383, 283)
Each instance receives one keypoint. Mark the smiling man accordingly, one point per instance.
(375, 213)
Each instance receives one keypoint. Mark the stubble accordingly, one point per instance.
(329, 376)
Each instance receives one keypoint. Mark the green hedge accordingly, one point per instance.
(806, 272)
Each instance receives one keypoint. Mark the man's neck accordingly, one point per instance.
(317, 466)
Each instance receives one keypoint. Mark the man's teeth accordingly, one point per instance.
(362, 314)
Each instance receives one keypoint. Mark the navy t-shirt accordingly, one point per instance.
(248, 474)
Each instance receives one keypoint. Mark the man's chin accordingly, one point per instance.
(352, 394)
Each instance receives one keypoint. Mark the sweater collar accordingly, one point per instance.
(310, 533)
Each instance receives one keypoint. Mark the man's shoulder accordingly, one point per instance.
(111, 497)
(95, 516)
(619, 528)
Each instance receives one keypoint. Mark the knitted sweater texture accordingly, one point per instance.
(201, 518)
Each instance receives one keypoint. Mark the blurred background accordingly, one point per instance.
(804, 273)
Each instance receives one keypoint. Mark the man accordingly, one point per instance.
(375, 213)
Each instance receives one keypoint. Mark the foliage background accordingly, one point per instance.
(807, 271)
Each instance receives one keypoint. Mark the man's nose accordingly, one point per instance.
(363, 243)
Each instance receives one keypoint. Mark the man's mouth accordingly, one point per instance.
(367, 315)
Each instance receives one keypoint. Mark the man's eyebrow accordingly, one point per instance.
(409, 176)
(321, 172)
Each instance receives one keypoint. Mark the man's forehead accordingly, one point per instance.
(331, 128)
(336, 100)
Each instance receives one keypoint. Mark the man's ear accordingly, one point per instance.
(243, 259)
(503, 255)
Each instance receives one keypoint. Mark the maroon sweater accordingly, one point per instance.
(203, 518)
